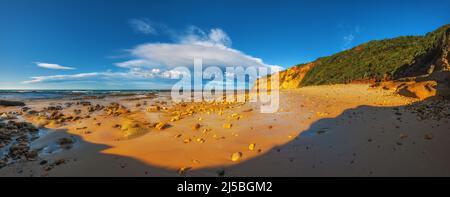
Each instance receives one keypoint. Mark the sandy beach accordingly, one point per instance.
(333, 130)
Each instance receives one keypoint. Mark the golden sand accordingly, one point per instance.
(166, 138)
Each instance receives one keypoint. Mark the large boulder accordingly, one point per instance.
(443, 87)
(131, 128)
(420, 90)
(115, 109)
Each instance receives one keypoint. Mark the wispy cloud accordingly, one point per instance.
(39, 79)
(132, 74)
(197, 36)
(53, 66)
(144, 26)
(349, 39)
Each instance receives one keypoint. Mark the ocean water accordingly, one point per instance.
(57, 94)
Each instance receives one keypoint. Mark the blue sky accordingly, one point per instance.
(114, 44)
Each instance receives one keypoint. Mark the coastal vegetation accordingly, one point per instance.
(376, 60)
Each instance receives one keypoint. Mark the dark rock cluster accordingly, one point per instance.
(15, 138)
(434, 110)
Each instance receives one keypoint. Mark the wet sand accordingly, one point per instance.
(337, 130)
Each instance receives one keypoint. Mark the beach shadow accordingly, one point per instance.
(80, 159)
(362, 141)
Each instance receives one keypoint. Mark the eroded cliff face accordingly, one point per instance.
(440, 69)
(290, 78)
(435, 81)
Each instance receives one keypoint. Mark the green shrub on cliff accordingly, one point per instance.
(373, 60)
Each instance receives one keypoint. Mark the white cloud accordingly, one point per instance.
(174, 55)
(53, 66)
(197, 36)
(156, 60)
(131, 74)
(143, 26)
(213, 47)
(173, 74)
(134, 63)
(156, 70)
(39, 79)
(219, 36)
